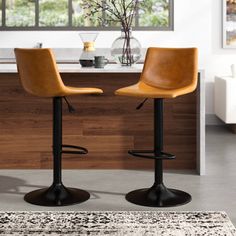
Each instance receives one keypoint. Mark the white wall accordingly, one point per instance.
(197, 23)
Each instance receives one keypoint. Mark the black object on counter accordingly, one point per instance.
(86, 63)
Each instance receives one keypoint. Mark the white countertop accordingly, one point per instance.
(76, 68)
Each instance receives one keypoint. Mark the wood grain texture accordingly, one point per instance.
(107, 125)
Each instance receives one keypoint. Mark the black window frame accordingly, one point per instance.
(3, 26)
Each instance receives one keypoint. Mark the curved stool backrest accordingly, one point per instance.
(38, 72)
(171, 68)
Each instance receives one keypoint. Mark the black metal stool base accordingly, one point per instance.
(57, 195)
(158, 196)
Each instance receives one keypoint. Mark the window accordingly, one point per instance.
(19, 13)
(53, 13)
(69, 15)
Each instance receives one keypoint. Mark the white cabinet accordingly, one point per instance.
(225, 99)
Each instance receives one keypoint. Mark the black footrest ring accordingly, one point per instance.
(82, 150)
(144, 154)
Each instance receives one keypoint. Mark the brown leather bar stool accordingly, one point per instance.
(167, 74)
(40, 77)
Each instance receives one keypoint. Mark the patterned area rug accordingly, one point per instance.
(117, 223)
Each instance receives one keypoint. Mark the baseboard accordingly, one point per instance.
(212, 119)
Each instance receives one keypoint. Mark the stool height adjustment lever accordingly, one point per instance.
(70, 107)
(141, 104)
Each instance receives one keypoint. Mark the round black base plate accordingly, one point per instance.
(158, 196)
(57, 196)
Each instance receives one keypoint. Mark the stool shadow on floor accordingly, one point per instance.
(12, 185)
(95, 193)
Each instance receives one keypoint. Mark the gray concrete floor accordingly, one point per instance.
(215, 191)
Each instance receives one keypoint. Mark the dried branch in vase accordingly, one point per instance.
(122, 11)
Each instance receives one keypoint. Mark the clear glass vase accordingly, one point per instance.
(126, 50)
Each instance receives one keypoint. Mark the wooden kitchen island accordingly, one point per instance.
(107, 125)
